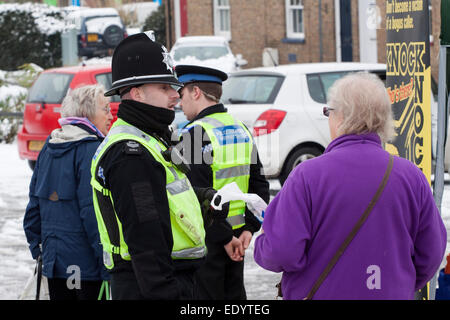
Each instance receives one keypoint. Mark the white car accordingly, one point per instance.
(207, 51)
(283, 107)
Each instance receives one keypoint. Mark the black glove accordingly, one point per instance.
(209, 194)
(205, 196)
(219, 214)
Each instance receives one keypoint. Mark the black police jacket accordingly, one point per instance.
(138, 185)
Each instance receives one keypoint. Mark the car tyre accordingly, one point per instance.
(298, 156)
(113, 35)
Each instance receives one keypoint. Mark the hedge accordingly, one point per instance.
(30, 33)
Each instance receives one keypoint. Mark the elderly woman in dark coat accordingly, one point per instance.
(59, 222)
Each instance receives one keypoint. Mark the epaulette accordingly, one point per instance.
(133, 147)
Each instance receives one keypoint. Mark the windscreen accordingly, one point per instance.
(50, 88)
(251, 89)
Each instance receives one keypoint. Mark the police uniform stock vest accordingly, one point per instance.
(185, 214)
(232, 146)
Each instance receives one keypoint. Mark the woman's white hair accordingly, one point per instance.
(82, 101)
(362, 101)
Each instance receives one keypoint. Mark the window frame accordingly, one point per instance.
(289, 8)
(218, 22)
(108, 77)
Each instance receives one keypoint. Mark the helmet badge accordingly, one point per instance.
(167, 59)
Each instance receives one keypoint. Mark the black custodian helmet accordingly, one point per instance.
(138, 59)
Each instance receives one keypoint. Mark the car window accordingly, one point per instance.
(320, 83)
(200, 52)
(105, 79)
(50, 88)
(251, 89)
(315, 88)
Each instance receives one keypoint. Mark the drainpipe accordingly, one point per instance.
(320, 32)
(169, 10)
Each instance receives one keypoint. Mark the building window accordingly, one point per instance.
(294, 19)
(222, 18)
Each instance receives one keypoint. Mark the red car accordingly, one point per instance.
(42, 109)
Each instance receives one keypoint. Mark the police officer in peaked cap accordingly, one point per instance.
(148, 214)
(228, 155)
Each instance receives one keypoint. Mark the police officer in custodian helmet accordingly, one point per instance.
(149, 216)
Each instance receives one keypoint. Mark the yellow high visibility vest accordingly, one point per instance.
(232, 146)
(185, 214)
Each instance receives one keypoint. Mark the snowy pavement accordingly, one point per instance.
(16, 264)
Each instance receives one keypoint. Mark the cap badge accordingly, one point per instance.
(167, 59)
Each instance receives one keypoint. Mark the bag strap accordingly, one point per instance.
(353, 233)
(104, 288)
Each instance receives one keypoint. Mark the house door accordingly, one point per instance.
(346, 30)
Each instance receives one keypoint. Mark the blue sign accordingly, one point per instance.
(75, 3)
(231, 135)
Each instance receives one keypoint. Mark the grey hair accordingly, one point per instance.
(82, 101)
(362, 101)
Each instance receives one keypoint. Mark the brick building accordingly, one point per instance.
(296, 31)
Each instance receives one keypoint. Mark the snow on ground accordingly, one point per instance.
(16, 264)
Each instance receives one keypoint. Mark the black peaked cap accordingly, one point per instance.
(191, 73)
(139, 60)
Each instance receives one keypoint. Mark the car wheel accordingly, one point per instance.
(113, 35)
(32, 164)
(298, 156)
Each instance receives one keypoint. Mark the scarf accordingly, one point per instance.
(83, 123)
(147, 118)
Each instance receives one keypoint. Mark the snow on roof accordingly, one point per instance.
(90, 12)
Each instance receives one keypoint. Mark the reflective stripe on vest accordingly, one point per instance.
(130, 130)
(232, 146)
(178, 186)
(212, 121)
(190, 253)
(233, 172)
(236, 220)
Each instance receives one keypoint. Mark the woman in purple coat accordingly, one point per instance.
(401, 244)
